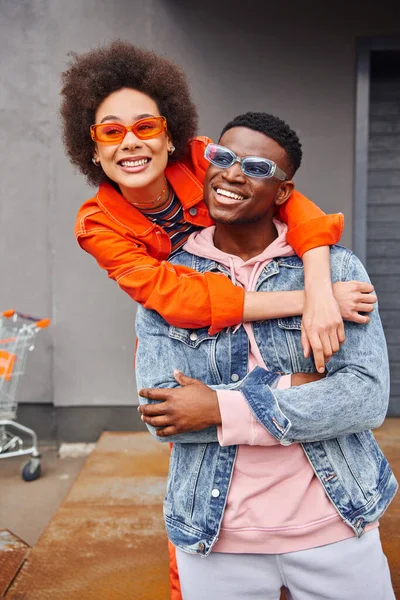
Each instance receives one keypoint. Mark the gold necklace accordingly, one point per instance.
(156, 200)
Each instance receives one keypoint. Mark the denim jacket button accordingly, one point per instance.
(193, 336)
(215, 493)
(193, 212)
(202, 547)
(235, 377)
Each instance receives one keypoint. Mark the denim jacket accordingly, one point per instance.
(330, 418)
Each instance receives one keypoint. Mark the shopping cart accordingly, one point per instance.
(17, 337)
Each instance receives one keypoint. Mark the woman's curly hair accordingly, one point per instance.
(93, 76)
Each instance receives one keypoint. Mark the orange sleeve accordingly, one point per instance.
(175, 586)
(182, 296)
(195, 160)
(308, 226)
(174, 583)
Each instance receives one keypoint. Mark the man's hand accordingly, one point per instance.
(192, 407)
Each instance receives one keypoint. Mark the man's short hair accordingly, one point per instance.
(274, 128)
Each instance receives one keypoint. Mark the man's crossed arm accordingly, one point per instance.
(192, 407)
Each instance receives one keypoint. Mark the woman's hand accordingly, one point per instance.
(354, 297)
(322, 329)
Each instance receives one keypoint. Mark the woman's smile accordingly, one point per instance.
(134, 164)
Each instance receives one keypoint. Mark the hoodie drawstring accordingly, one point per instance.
(232, 269)
(252, 281)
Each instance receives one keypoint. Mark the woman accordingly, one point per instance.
(129, 126)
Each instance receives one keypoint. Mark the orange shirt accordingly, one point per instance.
(134, 251)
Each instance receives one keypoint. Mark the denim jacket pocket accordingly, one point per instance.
(292, 328)
(360, 466)
(202, 353)
(367, 440)
(290, 323)
(183, 484)
(191, 337)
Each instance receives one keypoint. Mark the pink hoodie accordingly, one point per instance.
(275, 504)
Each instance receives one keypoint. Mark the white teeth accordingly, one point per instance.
(222, 192)
(134, 163)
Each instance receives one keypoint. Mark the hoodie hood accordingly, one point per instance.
(245, 273)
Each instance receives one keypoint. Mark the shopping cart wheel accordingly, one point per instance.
(31, 470)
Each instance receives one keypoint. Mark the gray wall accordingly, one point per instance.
(294, 59)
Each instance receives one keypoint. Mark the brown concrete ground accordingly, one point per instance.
(13, 553)
(388, 437)
(26, 508)
(107, 540)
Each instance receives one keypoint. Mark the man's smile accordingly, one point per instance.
(223, 195)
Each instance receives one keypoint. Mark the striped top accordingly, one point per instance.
(171, 218)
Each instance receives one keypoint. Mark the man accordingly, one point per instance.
(267, 487)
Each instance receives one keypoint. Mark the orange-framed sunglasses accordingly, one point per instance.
(114, 133)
